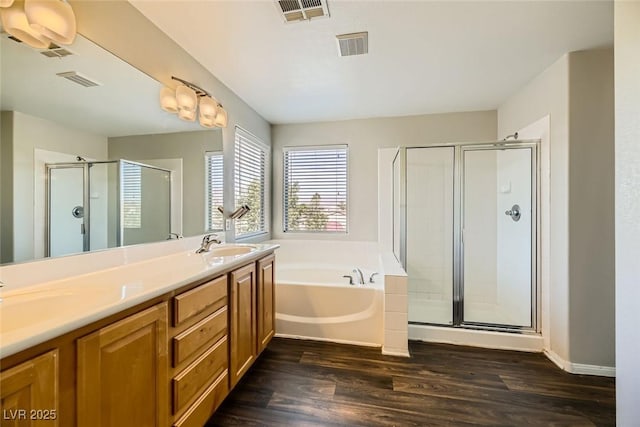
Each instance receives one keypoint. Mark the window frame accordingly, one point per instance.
(209, 205)
(242, 134)
(328, 147)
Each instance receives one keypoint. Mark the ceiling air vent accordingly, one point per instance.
(302, 10)
(353, 44)
(55, 51)
(79, 79)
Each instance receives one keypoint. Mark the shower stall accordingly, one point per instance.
(105, 204)
(465, 221)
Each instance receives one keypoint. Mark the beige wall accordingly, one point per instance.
(627, 196)
(189, 146)
(576, 93)
(6, 186)
(364, 137)
(591, 208)
(30, 133)
(548, 95)
(121, 29)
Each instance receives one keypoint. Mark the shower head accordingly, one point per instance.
(514, 136)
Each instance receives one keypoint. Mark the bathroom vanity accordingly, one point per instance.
(167, 355)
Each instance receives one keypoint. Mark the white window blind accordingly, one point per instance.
(131, 187)
(214, 197)
(315, 188)
(250, 182)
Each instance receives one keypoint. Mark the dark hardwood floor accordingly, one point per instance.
(308, 383)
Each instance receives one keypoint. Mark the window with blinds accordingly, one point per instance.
(250, 183)
(214, 188)
(315, 188)
(131, 187)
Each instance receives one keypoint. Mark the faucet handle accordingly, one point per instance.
(208, 238)
(350, 278)
(371, 277)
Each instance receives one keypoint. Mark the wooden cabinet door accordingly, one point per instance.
(266, 301)
(29, 393)
(243, 322)
(123, 373)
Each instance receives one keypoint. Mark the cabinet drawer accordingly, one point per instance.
(198, 414)
(209, 329)
(212, 295)
(207, 367)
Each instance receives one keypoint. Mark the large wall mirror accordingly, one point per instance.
(89, 160)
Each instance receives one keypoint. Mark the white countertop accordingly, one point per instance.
(33, 314)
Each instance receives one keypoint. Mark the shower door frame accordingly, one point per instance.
(86, 188)
(458, 212)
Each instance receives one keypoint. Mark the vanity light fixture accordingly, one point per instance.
(39, 22)
(187, 99)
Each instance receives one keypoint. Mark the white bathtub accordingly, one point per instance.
(314, 301)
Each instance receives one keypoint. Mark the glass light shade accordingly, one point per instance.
(208, 123)
(14, 22)
(168, 100)
(6, 3)
(221, 118)
(53, 18)
(208, 108)
(187, 99)
(186, 115)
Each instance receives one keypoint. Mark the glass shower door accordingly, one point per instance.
(145, 200)
(498, 212)
(429, 234)
(66, 210)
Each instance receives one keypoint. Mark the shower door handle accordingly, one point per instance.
(514, 213)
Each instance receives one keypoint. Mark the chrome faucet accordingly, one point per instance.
(176, 235)
(359, 275)
(207, 241)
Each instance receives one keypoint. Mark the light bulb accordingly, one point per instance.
(168, 100)
(208, 108)
(52, 18)
(221, 118)
(186, 115)
(14, 22)
(208, 123)
(187, 99)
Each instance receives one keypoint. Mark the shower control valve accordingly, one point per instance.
(514, 213)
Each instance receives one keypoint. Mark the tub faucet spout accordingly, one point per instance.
(359, 275)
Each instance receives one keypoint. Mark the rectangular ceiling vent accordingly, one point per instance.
(302, 10)
(353, 43)
(78, 78)
(55, 51)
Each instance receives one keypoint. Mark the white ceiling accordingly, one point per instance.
(424, 57)
(126, 102)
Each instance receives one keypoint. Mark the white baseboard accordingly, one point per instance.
(580, 368)
(337, 341)
(474, 338)
(395, 352)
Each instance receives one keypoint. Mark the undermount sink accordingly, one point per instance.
(231, 250)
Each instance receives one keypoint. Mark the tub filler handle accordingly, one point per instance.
(371, 277)
(350, 278)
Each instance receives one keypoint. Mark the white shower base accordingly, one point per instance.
(476, 338)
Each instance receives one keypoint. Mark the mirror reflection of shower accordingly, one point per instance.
(94, 205)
